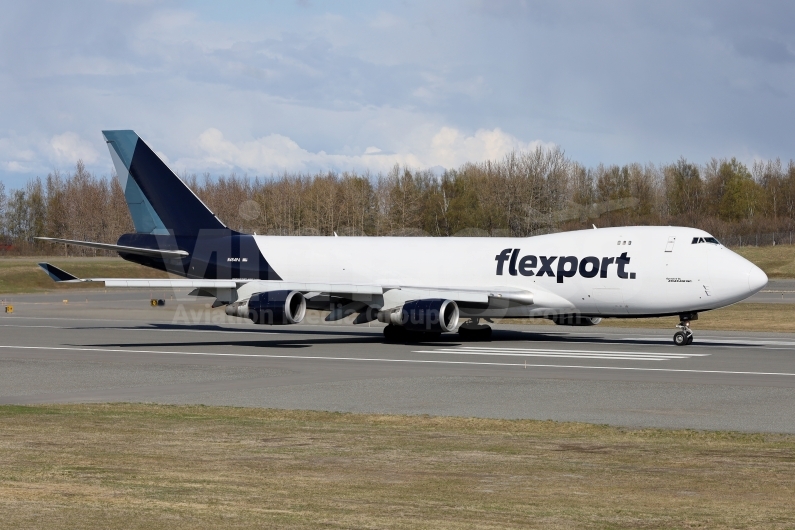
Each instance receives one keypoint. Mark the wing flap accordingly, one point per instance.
(175, 284)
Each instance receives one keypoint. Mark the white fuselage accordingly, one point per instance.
(663, 271)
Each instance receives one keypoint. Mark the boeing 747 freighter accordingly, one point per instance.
(415, 285)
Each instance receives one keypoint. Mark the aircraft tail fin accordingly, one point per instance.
(159, 202)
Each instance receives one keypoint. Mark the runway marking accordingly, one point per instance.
(147, 329)
(734, 343)
(407, 361)
(571, 354)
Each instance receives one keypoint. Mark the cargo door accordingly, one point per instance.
(609, 301)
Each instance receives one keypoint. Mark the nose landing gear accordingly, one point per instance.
(684, 336)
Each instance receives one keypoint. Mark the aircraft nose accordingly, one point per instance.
(757, 279)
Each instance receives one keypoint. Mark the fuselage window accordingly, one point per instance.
(695, 240)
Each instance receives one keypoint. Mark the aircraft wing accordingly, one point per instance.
(395, 292)
(61, 276)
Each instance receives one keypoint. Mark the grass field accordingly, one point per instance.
(738, 317)
(22, 275)
(153, 466)
(777, 262)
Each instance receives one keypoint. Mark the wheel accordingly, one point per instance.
(680, 339)
(394, 333)
(478, 334)
(431, 336)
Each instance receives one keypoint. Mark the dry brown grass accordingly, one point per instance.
(23, 275)
(777, 262)
(152, 466)
(738, 317)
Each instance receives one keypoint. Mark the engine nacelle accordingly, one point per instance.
(433, 314)
(575, 320)
(271, 308)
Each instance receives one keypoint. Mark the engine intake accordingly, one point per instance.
(271, 308)
(433, 314)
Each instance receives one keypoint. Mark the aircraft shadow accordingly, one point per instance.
(283, 337)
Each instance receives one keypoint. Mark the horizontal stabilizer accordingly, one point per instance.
(58, 275)
(151, 252)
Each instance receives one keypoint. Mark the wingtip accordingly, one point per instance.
(56, 274)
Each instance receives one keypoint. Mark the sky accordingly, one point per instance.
(264, 87)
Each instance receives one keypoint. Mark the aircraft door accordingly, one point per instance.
(609, 301)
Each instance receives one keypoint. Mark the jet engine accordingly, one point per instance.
(271, 308)
(432, 315)
(575, 320)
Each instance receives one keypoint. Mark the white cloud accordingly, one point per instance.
(69, 147)
(277, 153)
(426, 83)
(15, 157)
(16, 167)
(451, 148)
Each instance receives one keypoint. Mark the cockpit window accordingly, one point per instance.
(704, 240)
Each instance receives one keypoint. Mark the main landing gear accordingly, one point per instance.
(684, 336)
(399, 334)
(471, 330)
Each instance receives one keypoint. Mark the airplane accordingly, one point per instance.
(419, 286)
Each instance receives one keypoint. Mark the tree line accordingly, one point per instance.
(525, 193)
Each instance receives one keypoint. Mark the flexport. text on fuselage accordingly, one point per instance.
(608, 272)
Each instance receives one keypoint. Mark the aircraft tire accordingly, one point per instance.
(394, 334)
(475, 335)
(422, 336)
(680, 339)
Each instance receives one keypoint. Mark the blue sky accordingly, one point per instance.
(265, 87)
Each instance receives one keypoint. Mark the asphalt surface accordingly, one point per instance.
(100, 347)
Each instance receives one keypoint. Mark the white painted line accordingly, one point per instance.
(746, 342)
(565, 356)
(552, 353)
(408, 361)
(147, 329)
(532, 350)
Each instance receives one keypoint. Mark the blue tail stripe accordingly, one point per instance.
(123, 142)
(122, 147)
(158, 200)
